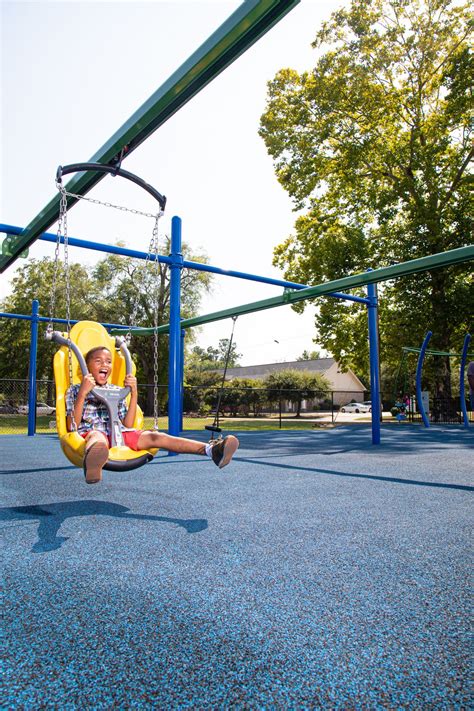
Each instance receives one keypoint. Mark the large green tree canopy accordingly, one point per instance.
(374, 145)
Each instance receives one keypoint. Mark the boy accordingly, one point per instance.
(92, 420)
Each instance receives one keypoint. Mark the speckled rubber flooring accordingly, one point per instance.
(316, 571)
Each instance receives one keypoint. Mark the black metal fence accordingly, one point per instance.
(442, 411)
(260, 407)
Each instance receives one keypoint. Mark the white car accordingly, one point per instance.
(356, 407)
(41, 409)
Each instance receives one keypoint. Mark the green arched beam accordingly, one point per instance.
(434, 261)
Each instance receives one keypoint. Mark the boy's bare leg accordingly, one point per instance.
(180, 445)
(96, 455)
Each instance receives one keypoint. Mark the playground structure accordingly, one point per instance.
(441, 406)
(247, 24)
(320, 574)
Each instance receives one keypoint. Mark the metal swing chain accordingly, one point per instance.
(152, 250)
(110, 204)
(52, 302)
(63, 232)
(155, 324)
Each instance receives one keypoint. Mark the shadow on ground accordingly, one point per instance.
(51, 517)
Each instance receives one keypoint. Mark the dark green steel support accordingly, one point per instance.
(239, 32)
(434, 261)
(407, 349)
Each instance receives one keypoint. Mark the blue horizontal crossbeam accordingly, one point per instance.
(135, 254)
(45, 319)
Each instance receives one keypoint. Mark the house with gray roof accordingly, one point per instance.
(345, 385)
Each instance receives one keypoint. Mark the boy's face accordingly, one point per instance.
(100, 366)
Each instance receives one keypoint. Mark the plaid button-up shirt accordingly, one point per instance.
(95, 415)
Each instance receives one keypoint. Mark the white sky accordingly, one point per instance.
(74, 72)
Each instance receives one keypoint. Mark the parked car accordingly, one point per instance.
(356, 407)
(8, 410)
(41, 409)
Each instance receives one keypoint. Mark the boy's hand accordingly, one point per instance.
(88, 383)
(131, 382)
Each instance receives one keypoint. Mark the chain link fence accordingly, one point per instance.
(240, 408)
(263, 408)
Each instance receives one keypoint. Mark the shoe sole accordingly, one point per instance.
(230, 448)
(96, 457)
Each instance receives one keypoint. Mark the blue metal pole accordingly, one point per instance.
(462, 390)
(175, 329)
(419, 370)
(32, 369)
(135, 254)
(19, 317)
(374, 361)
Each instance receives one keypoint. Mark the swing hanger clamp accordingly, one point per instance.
(113, 170)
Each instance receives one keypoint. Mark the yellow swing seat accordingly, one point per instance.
(86, 335)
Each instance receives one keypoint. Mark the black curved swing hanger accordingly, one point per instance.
(113, 170)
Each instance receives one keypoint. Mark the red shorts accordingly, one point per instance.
(130, 438)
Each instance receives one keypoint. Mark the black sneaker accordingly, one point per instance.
(223, 450)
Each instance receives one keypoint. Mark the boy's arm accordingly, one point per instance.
(131, 382)
(88, 383)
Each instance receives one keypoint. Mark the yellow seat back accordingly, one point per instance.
(87, 335)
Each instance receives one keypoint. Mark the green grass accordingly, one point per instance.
(18, 424)
(232, 424)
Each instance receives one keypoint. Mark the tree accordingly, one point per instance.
(251, 394)
(128, 290)
(202, 376)
(210, 358)
(242, 396)
(200, 390)
(112, 292)
(374, 144)
(33, 281)
(295, 386)
(309, 355)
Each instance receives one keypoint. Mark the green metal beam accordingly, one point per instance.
(239, 32)
(434, 261)
(407, 349)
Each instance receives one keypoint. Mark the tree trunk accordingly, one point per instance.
(441, 327)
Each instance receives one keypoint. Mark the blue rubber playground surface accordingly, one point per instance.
(316, 571)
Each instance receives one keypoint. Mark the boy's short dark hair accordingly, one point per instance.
(90, 354)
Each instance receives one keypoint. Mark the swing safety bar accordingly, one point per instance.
(100, 168)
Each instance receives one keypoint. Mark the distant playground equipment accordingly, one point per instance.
(436, 408)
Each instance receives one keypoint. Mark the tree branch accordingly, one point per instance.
(457, 178)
